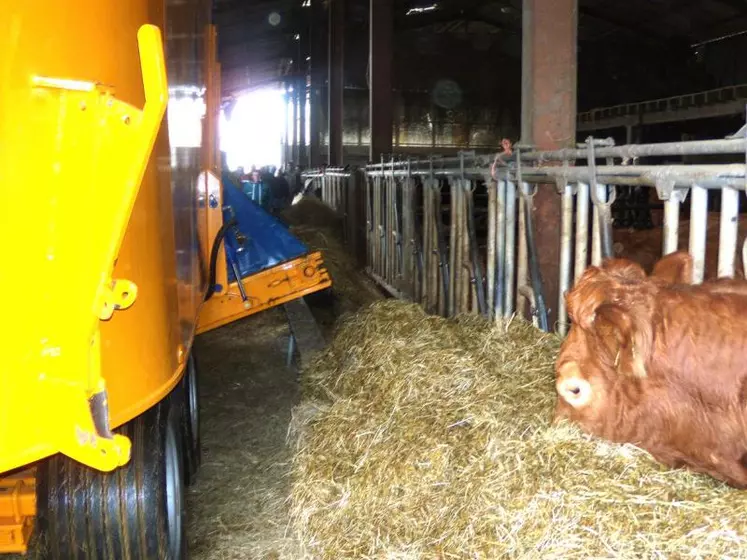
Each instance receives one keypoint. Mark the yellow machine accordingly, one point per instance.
(111, 221)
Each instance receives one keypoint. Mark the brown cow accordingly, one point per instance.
(659, 363)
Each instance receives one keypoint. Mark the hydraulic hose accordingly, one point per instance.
(214, 255)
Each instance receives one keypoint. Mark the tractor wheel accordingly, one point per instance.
(191, 420)
(135, 512)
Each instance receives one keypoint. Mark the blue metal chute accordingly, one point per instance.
(259, 241)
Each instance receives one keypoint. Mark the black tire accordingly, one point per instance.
(135, 512)
(191, 420)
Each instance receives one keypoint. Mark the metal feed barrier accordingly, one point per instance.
(456, 234)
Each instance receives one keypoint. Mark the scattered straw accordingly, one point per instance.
(320, 228)
(433, 441)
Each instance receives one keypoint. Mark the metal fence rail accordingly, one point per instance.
(456, 235)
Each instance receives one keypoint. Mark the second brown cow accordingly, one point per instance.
(660, 363)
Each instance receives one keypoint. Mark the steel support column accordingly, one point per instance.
(336, 82)
(295, 99)
(381, 113)
(549, 84)
(318, 63)
(302, 154)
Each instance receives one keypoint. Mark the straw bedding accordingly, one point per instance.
(421, 437)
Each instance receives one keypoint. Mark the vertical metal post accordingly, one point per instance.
(428, 246)
(727, 239)
(336, 72)
(296, 100)
(381, 45)
(671, 223)
(698, 230)
(596, 241)
(318, 62)
(454, 264)
(466, 287)
(522, 267)
(582, 229)
(444, 289)
(566, 254)
(303, 93)
(501, 250)
(369, 221)
(510, 248)
(492, 211)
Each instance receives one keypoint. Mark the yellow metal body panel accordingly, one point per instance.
(276, 286)
(91, 219)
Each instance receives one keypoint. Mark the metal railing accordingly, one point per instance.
(338, 188)
(669, 108)
(456, 234)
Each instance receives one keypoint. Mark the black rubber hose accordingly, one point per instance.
(214, 255)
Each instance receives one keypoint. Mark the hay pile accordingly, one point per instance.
(319, 227)
(431, 439)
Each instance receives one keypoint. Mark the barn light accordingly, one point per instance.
(424, 9)
(306, 3)
(274, 19)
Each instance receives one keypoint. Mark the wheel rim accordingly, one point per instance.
(194, 410)
(174, 497)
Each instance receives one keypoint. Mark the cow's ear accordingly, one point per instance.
(675, 268)
(627, 337)
(586, 296)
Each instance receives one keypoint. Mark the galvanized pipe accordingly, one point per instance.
(454, 265)
(698, 225)
(713, 176)
(671, 225)
(596, 241)
(566, 254)
(582, 230)
(728, 232)
(510, 284)
(627, 151)
(477, 276)
(522, 268)
(443, 254)
(500, 250)
(492, 195)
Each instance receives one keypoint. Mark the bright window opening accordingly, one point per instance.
(253, 135)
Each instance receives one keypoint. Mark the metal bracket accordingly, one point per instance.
(115, 296)
(664, 188)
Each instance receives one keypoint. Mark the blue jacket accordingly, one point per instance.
(257, 192)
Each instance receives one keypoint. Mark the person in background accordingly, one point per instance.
(256, 189)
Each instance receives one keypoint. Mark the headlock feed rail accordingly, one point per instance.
(456, 234)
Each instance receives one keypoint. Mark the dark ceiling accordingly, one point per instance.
(262, 40)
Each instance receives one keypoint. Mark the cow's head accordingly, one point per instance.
(602, 362)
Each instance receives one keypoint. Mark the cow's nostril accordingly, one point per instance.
(575, 390)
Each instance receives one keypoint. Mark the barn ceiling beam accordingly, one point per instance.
(738, 6)
(624, 25)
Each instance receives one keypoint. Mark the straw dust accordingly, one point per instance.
(427, 438)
